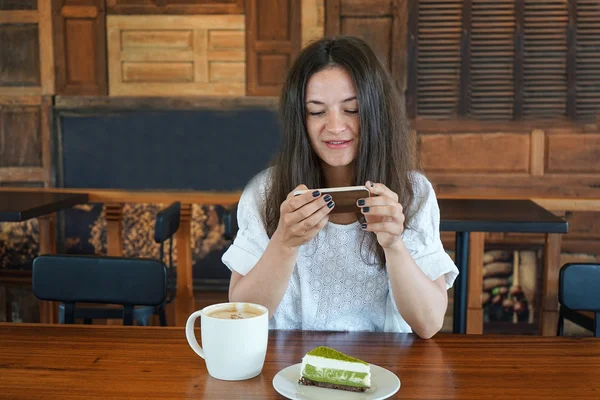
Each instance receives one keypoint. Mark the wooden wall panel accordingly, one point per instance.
(18, 4)
(25, 139)
(175, 6)
(176, 55)
(19, 55)
(26, 57)
(20, 137)
(583, 225)
(475, 153)
(381, 24)
(313, 20)
(273, 39)
(80, 47)
(573, 153)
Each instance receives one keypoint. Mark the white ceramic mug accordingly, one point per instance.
(234, 349)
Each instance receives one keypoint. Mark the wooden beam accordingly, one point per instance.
(221, 103)
(399, 40)
(412, 52)
(79, 12)
(184, 300)
(332, 17)
(549, 311)
(475, 284)
(125, 196)
(47, 226)
(114, 229)
(537, 152)
(19, 17)
(46, 39)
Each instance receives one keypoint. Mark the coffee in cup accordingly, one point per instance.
(236, 311)
(234, 339)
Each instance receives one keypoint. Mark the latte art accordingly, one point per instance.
(233, 312)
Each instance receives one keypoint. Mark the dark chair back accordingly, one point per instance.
(230, 223)
(99, 279)
(167, 222)
(579, 290)
(165, 226)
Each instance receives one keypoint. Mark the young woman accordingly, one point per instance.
(380, 269)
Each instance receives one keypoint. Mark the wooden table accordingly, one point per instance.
(464, 216)
(18, 206)
(71, 362)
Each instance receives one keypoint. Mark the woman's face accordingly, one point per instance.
(332, 116)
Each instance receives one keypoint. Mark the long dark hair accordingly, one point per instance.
(387, 148)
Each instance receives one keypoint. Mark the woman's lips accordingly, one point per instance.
(338, 144)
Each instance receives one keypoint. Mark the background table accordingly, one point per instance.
(464, 216)
(71, 362)
(16, 206)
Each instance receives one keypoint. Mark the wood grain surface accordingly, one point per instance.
(72, 362)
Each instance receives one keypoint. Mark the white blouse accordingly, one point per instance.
(332, 288)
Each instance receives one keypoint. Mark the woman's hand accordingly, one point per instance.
(384, 215)
(302, 217)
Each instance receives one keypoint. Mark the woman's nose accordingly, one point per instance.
(335, 123)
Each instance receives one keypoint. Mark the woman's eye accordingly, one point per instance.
(352, 111)
(316, 113)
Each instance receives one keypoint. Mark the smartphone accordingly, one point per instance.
(345, 198)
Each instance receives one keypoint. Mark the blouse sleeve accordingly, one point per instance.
(252, 239)
(422, 237)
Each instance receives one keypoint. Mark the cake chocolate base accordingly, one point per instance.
(308, 382)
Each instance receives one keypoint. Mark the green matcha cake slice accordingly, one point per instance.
(328, 368)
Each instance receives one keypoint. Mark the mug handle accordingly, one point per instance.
(190, 336)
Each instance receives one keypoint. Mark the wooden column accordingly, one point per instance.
(47, 225)
(114, 229)
(184, 300)
(549, 312)
(474, 310)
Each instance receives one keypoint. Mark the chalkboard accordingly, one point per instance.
(182, 149)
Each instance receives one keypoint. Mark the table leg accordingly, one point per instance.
(460, 284)
(47, 226)
(549, 314)
(475, 268)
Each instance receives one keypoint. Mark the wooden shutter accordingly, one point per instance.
(438, 57)
(545, 58)
(588, 59)
(492, 56)
(504, 59)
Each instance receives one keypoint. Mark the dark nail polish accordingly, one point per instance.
(364, 226)
(372, 184)
(330, 204)
(366, 209)
(361, 202)
(316, 193)
(327, 198)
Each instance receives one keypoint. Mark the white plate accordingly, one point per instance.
(383, 385)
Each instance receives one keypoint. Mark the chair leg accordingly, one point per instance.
(61, 313)
(560, 327)
(128, 315)
(69, 313)
(162, 315)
